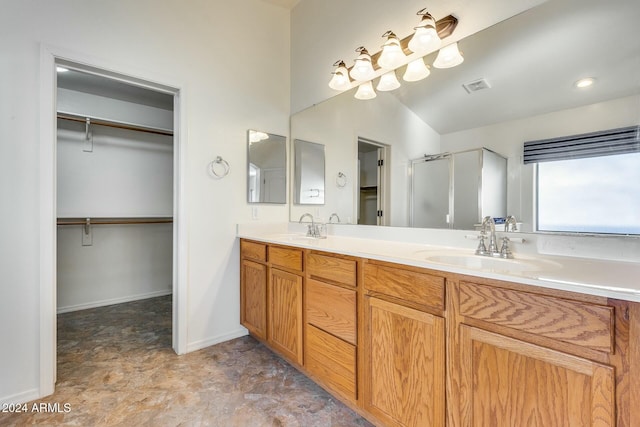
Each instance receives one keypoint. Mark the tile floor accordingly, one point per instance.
(116, 367)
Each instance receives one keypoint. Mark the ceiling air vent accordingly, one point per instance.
(476, 85)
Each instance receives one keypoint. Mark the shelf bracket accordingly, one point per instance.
(87, 233)
(88, 137)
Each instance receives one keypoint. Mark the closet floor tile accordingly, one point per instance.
(116, 367)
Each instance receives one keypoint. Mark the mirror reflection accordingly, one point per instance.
(529, 64)
(455, 190)
(308, 181)
(266, 169)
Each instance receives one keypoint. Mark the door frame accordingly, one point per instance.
(49, 57)
(383, 201)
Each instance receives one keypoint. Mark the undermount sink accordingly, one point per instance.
(478, 262)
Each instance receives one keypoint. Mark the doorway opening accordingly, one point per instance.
(372, 177)
(112, 222)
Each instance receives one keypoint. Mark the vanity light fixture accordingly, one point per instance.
(340, 79)
(426, 38)
(392, 55)
(395, 53)
(388, 81)
(585, 83)
(365, 91)
(363, 68)
(449, 56)
(416, 70)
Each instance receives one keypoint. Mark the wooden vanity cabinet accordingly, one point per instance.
(404, 350)
(284, 328)
(253, 288)
(331, 322)
(408, 346)
(271, 296)
(525, 357)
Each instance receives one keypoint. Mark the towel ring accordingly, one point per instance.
(219, 167)
(341, 180)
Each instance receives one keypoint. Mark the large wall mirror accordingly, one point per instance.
(308, 173)
(266, 168)
(529, 63)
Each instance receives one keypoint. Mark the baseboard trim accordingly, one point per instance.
(112, 301)
(199, 345)
(24, 397)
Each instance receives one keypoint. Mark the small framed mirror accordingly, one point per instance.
(308, 173)
(266, 168)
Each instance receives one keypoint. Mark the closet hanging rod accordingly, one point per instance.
(114, 221)
(83, 119)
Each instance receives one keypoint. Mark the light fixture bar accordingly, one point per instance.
(444, 27)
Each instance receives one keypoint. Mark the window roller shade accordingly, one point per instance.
(602, 143)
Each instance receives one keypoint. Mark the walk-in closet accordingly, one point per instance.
(115, 159)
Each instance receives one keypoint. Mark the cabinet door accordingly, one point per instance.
(253, 298)
(508, 382)
(405, 363)
(285, 314)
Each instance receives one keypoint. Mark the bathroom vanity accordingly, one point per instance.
(418, 337)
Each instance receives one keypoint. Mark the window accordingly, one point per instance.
(588, 183)
(592, 195)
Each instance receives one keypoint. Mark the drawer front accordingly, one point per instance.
(420, 288)
(332, 361)
(252, 250)
(584, 324)
(286, 257)
(332, 269)
(332, 309)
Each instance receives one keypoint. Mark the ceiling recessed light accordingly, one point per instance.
(61, 69)
(583, 83)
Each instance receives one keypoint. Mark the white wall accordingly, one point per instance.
(124, 263)
(337, 123)
(100, 107)
(128, 174)
(232, 80)
(508, 138)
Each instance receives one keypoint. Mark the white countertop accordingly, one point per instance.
(607, 278)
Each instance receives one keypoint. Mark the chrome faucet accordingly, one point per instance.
(493, 251)
(319, 231)
(510, 220)
(332, 216)
(311, 228)
(303, 216)
(493, 247)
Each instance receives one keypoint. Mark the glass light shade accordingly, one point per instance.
(424, 40)
(416, 70)
(449, 56)
(392, 55)
(365, 91)
(340, 79)
(257, 136)
(585, 83)
(388, 81)
(363, 69)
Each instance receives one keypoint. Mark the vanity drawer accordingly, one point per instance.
(584, 324)
(416, 287)
(253, 250)
(331, 360)
(290, 258)
(332, 309)
(332, 269)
